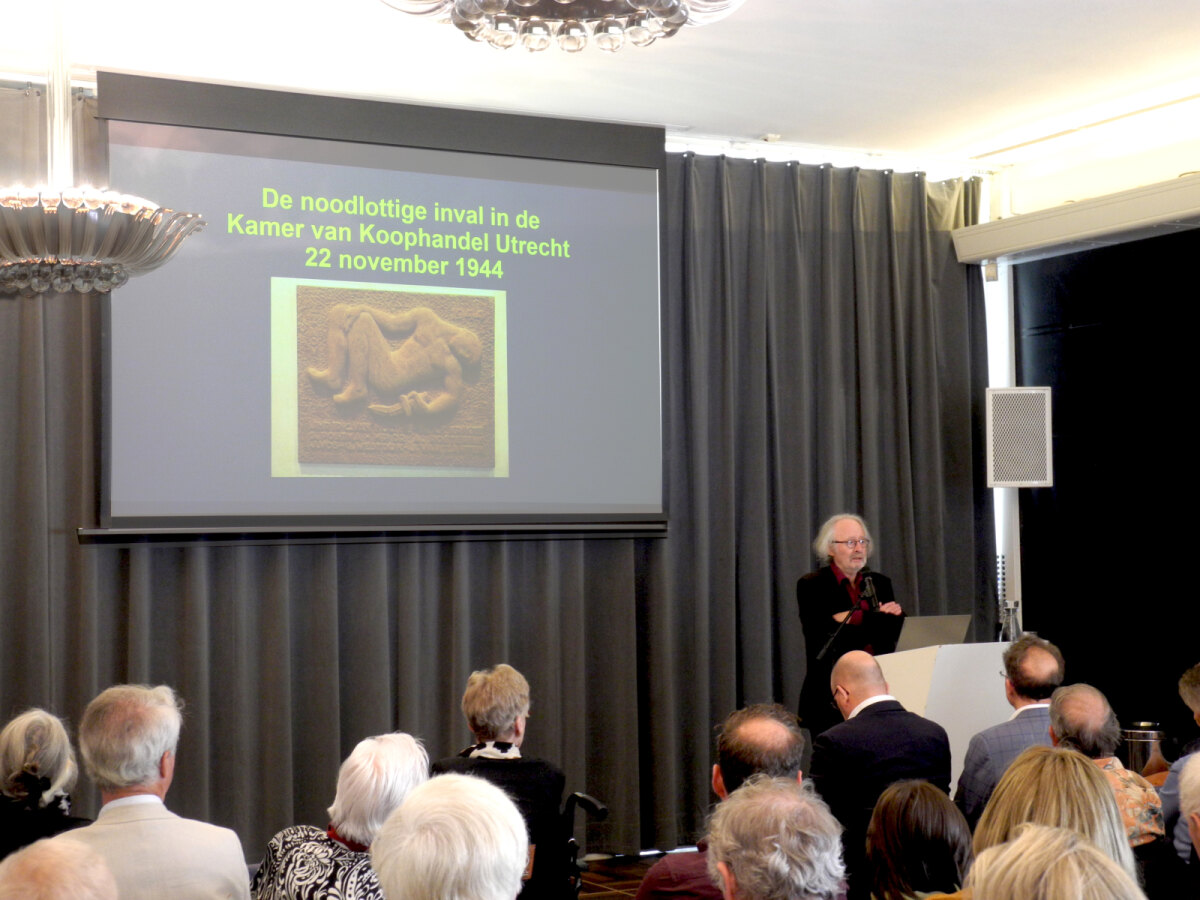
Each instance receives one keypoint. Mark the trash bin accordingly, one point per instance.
(1141, 740)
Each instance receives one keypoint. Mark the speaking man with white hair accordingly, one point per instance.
(303, 862)
(456, 836)
(127, 738)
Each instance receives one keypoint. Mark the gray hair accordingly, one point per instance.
(493, 701)
(125, 732)
(375, 778)
(1082, 720)
(1044, 862)
(825, 535)
(1189, 787)
(35, 744)
(456, 837)
(56, 869)
(779, 840)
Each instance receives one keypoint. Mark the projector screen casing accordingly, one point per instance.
(539, 348)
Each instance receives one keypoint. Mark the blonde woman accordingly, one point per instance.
(1060, 788)
(1046, 863)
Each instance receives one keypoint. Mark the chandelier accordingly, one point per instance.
(572, 24)
(62, 237)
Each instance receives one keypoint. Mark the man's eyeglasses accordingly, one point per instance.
(855, 542)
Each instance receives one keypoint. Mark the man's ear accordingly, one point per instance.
(1194, 829)
(1053, 737)
(728, 882)
(718, 782)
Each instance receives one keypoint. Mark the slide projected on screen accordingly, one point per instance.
(375, 382)
(366, 331)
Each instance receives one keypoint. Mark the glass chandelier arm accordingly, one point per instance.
(705, 12)
(421, 7)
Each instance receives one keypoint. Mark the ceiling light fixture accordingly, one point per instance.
(61, 237)
(572, 24)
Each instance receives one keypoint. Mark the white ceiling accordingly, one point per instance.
(932, 77)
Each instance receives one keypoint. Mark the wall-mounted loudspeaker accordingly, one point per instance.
(1018, 437)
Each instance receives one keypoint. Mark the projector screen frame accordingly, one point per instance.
(159, 101)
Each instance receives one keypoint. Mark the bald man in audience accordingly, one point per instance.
(1081, 719)
(1033, 668)
(761, 739)
(879, 743)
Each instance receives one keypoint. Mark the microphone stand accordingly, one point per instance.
(868, 591)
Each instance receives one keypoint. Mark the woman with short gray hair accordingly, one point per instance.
(496, 705)
(37, 772)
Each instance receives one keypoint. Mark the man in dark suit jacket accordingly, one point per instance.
(879, 743)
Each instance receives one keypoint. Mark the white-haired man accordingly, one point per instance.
(127, 738)
(775, 838)
(62, 869)
(303, 862)
(456, 836)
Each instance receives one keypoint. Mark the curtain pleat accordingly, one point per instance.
(822, 352)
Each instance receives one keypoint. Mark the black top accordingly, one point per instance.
(22, 822)
(536, 787)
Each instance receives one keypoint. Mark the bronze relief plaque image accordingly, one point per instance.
(396, 377)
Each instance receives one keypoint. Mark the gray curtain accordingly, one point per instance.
(823, 352)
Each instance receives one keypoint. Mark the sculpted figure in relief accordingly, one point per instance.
(361, 362)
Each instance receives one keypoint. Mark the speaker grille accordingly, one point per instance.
(1018, 438)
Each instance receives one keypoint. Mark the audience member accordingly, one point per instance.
(763, 738)
(1046, 863)
(1189, 803)
(1033, 668)
(879, 743)
(37, 772)
(306, 863)
(1081, 719)
(1176, 825)
(918, 843)
(455, 838)
(1189, 790)
(496, 704)
(775, 839)
(127, 739)
(62, 869)
(1058, 787)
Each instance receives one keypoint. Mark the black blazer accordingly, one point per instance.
(853, 762)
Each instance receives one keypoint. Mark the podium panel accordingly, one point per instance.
(959, 686)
